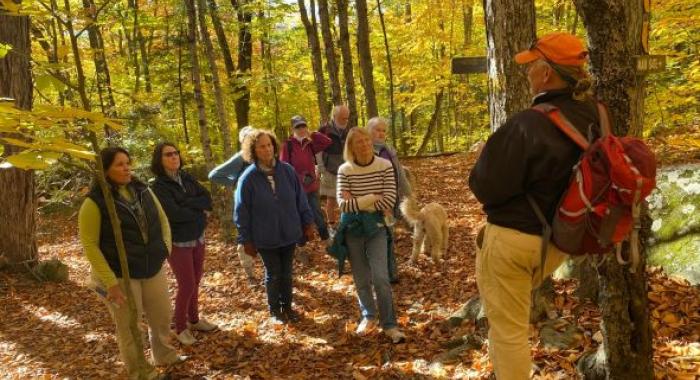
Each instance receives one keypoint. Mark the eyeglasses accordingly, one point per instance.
(171, 153)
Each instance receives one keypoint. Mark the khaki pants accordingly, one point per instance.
(152, 299)
(507, 269)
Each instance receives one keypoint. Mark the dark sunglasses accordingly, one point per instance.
(171, 153)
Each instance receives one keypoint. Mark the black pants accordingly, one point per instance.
(278, 275)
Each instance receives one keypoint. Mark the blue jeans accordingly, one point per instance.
(278, 276)
(368, 258)
(315, 205)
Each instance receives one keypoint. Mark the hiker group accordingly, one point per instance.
(287, 194)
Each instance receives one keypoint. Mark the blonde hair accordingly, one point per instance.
(348, 154)
(577, 78)
(248, 145)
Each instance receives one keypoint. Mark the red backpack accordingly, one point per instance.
(600, 207)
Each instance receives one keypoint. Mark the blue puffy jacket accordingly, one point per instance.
(271, 219)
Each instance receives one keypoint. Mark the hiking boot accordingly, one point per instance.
(185, 338)
(366, 326)
(395, 335)
(290, 315)
(203, 325)
(277, 317)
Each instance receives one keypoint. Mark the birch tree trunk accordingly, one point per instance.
(216, 83)
(197, 84)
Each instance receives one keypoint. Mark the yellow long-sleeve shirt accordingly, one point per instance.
(89, 222)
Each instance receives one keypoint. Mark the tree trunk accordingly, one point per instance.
(316, 59)
(269, 77)
(510, 27)
(365, 58)
(76, 57)
(614, 35)
(245, 61)
(468, 22)
(103, 81)
(183, 110)
(141, 42)
(432, 125)
(347, 60)
(331, 61)
(18, 202)
(392, 110)
(221, 37)
(197, 84)
(216, 83)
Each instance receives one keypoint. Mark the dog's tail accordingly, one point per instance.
(409, 209)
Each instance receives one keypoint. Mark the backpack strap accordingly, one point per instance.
(546, 233)
(289, 150)
(559, 119)
(604, 117)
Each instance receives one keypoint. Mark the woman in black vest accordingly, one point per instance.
(146, 236)
(186, 203)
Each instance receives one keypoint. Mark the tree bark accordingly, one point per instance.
(216, 83)
(392, 110)
(18, 201)
(141, 42)
(614, 36)
(468, 22)
(183, 109)
(510, 27)
(76, 57)
(197, 84)
(365, 58)
(245, 61)
(329, 48)
(316, 59)
(103, 80)
(346, 52)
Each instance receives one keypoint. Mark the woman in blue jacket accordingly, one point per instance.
(272, 215)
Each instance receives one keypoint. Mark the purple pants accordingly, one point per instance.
(187, 264)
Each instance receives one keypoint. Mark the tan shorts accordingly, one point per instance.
(328, 184)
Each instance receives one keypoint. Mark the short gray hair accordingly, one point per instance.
(376, 121)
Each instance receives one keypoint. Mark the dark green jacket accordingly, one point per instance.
(362, 224)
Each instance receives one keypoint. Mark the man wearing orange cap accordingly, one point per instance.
(527, 157)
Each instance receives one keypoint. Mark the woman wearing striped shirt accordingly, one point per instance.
(366, 188)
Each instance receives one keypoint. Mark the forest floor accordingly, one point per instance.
(50, 330)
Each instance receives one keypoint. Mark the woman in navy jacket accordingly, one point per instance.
(186, 204)
(272, 215)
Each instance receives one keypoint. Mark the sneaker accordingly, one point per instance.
(395, 335)
(203, 325)
(185, 338)
(366, 326)
(177, 359)
(290, 315)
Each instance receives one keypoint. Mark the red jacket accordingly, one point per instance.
(302, 158)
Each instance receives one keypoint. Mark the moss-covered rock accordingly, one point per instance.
(675, 210)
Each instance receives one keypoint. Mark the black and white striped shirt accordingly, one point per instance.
(372, 187)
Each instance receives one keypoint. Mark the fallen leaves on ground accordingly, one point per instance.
(63, 331)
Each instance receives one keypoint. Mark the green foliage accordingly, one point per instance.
(41, 134)
(4, 49)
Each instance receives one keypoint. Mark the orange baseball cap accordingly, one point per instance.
(560, 48)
